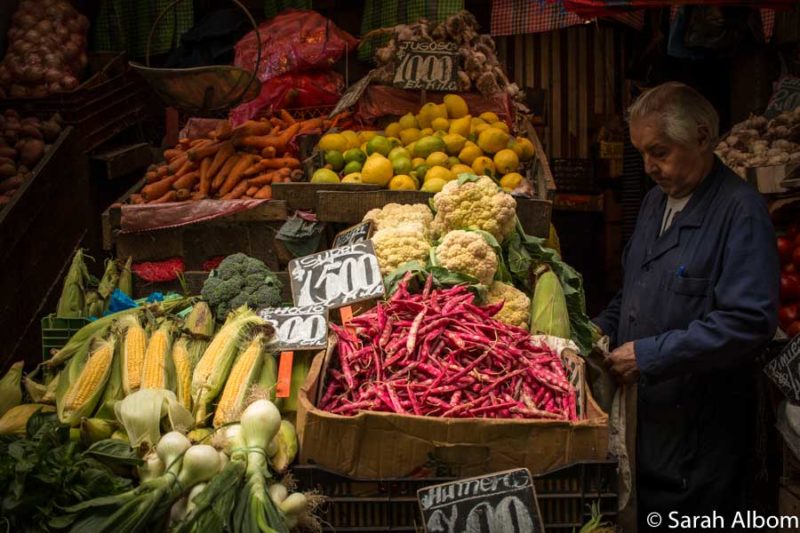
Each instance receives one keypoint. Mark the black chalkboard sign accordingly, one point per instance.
(785, 98)
(358, 233)
(504, 502)
(298, 328)
(784, 370)
(337, 277)
(352, 95)
(427, 65)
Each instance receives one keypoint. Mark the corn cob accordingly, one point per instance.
(72, 300)
(184, 365)
(157, 360)
(109, 281)
(134, 344)
(212, 370)
(113, 391)
(549, 314)
(84, 392)
(125, 283)
(10, 389)
(52, 387)
(246, 370)
(269, 376)
(15, 420)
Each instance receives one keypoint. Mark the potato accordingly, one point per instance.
(30, 131)
(31, 152)
(8, 170)
(7, 151)
(12, 183)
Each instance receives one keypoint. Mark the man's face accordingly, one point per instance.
(676, 168)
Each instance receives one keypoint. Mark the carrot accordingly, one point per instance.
(183, 195)
(176, 164)
(281, 162)
(136, 199)
(254, 141)
(172, 153)
(339, 118)
(186, 168)
(237, 191)
(158, 188)
(187, 181)
(254, 169)
(199, 196)
(251, 191)
(269, 177)
(169, 196)
(220, 178)
(310, 125)
(269, 152)
(205, 165)
(252, 128)
(201, 152)
(235, 176)
(151, 176)
(224, 153)
(287, 118)
(264, 193)
(223, 131)
(276, 122)
(184, 142)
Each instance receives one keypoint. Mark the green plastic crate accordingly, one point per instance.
(56, 331)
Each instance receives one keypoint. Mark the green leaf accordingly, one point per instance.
(467, 178)
(114, 452)
(391, 280)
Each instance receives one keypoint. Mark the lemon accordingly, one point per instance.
(437, 158)
(480, 128)
(427, 114)
(456, 106)
(492, 140)
(352, 138)
(379, 144)
(526, 148)
(354, 154)
(511, 181)
(334, 141)
(501, 126)
(440, 124)
(489, 117)
(426, 132)
(351, 167)
(439, 172)
(433, 185)
(410, 148)
(392, 130)
(417, 161)
(399, 152)
(461, 126)
(407, 121)
(377, 170)
(421, 171)
(427, 145)
(402, 182)
(460, 169)
(506, 161)
(476, 121)
(334, 159)
(366, 135)
(469, 154)
(355, 177)
(324, 175)
(483, 166)
(441, 111)
(454, 142)
(452, 161)
(401, 165)
(410, 135)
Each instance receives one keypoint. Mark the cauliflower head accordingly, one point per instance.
(241, 280)
(477, 204)
(516, 309)
(468, 252)
(393, 215)
(400, 244)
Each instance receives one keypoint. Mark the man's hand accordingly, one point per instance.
(622, 363)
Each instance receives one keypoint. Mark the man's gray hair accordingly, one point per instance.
(681, 109)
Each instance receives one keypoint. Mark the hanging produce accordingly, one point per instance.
(761, 142)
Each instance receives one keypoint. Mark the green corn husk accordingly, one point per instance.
(120, 435)
(125, 283)
(113, 391)
(269, 376)
(71, 303)
(549, 314)
(287, 447)
(300, 367)
(200, 321)
(15, 420)
(141, 414)
(36, 391)
(96, 429)
(52, 387)
(109, 280)
(200, 435)
(11, 388)
(94, 304)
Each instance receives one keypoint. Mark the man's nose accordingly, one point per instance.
(649, 165)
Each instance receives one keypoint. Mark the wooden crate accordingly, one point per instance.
(39, 230)
(304, 195)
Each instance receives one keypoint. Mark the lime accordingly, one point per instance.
(354, 154)
(334, 159)
(352, 166)
(324, 175)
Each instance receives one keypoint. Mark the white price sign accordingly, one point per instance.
(298, 328)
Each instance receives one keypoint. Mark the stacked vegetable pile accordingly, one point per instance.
(482, 69)
(84, 296)
(47, 49)
(230, 163)
(23, 143)
(760, 142)
(439, 354)
(427, 150)
(789, 251)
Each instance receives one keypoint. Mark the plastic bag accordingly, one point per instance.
(315, 89)
(294, 41)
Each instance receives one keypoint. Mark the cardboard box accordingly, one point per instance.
(384, 445)
(770, 180)
(789, 503)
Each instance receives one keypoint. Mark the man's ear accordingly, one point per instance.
(703, 138)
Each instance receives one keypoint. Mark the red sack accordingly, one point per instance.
(294, 41)
(312, 89)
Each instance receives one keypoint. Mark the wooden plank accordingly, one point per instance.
(535, 216)
(272, 211)
(610, 75)
(558, 101)
(502, 51)
(598, 62)
(530, 61)
(572, 48)
(583, 98)
(304, 195)
(544, 61)
(519, 59)
(124, 161)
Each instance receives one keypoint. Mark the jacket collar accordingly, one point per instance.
(691, 217)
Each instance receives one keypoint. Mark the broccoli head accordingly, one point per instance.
(241, 280)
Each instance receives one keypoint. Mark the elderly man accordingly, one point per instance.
(698, 303)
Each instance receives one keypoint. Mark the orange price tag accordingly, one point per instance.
(283, 388)
(346, 313)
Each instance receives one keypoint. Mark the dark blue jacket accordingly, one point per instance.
(699, 302)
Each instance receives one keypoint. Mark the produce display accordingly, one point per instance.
(789, 252)
(46, 49)
(23, 143)
(427, 150)
(482, 70)
(439, 354)
(84, 296)
(761, 142)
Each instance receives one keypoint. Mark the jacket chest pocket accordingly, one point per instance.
(698, 287)
(689, 300)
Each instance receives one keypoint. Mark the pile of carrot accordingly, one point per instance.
(230, 163)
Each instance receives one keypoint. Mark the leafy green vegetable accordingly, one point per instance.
(441, 278)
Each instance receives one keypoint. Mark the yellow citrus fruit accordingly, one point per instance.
(483, 166)
(506, 161)
(427, 145)
(475, 121)
(402, 182)
(433, 185)
(325, 175)
(480, 128)
(354, 177)
(392, 130)
(352, 138)
(380, 145)
(426, 132)
(417, 161)
(366, 135)
(399, 152)
(440, 124)
(456, 106)
(377, 170)
(469, 154)
(526, 148)
(489, 117)
(461, 126)
(454, 142)
(428, 113)
(492, 140)
(441, 111)
(334, 141)
(437, 158)
(460, 169)
(407, 121)
(409, 135)
(439, 172)
(511, 181)
(501, 126)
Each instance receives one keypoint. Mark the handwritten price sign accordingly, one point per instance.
(298, 328)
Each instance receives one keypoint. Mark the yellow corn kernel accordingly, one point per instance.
(133, 350)
(154, 370)
(245, 371)
(92, 377)
(183, 372)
